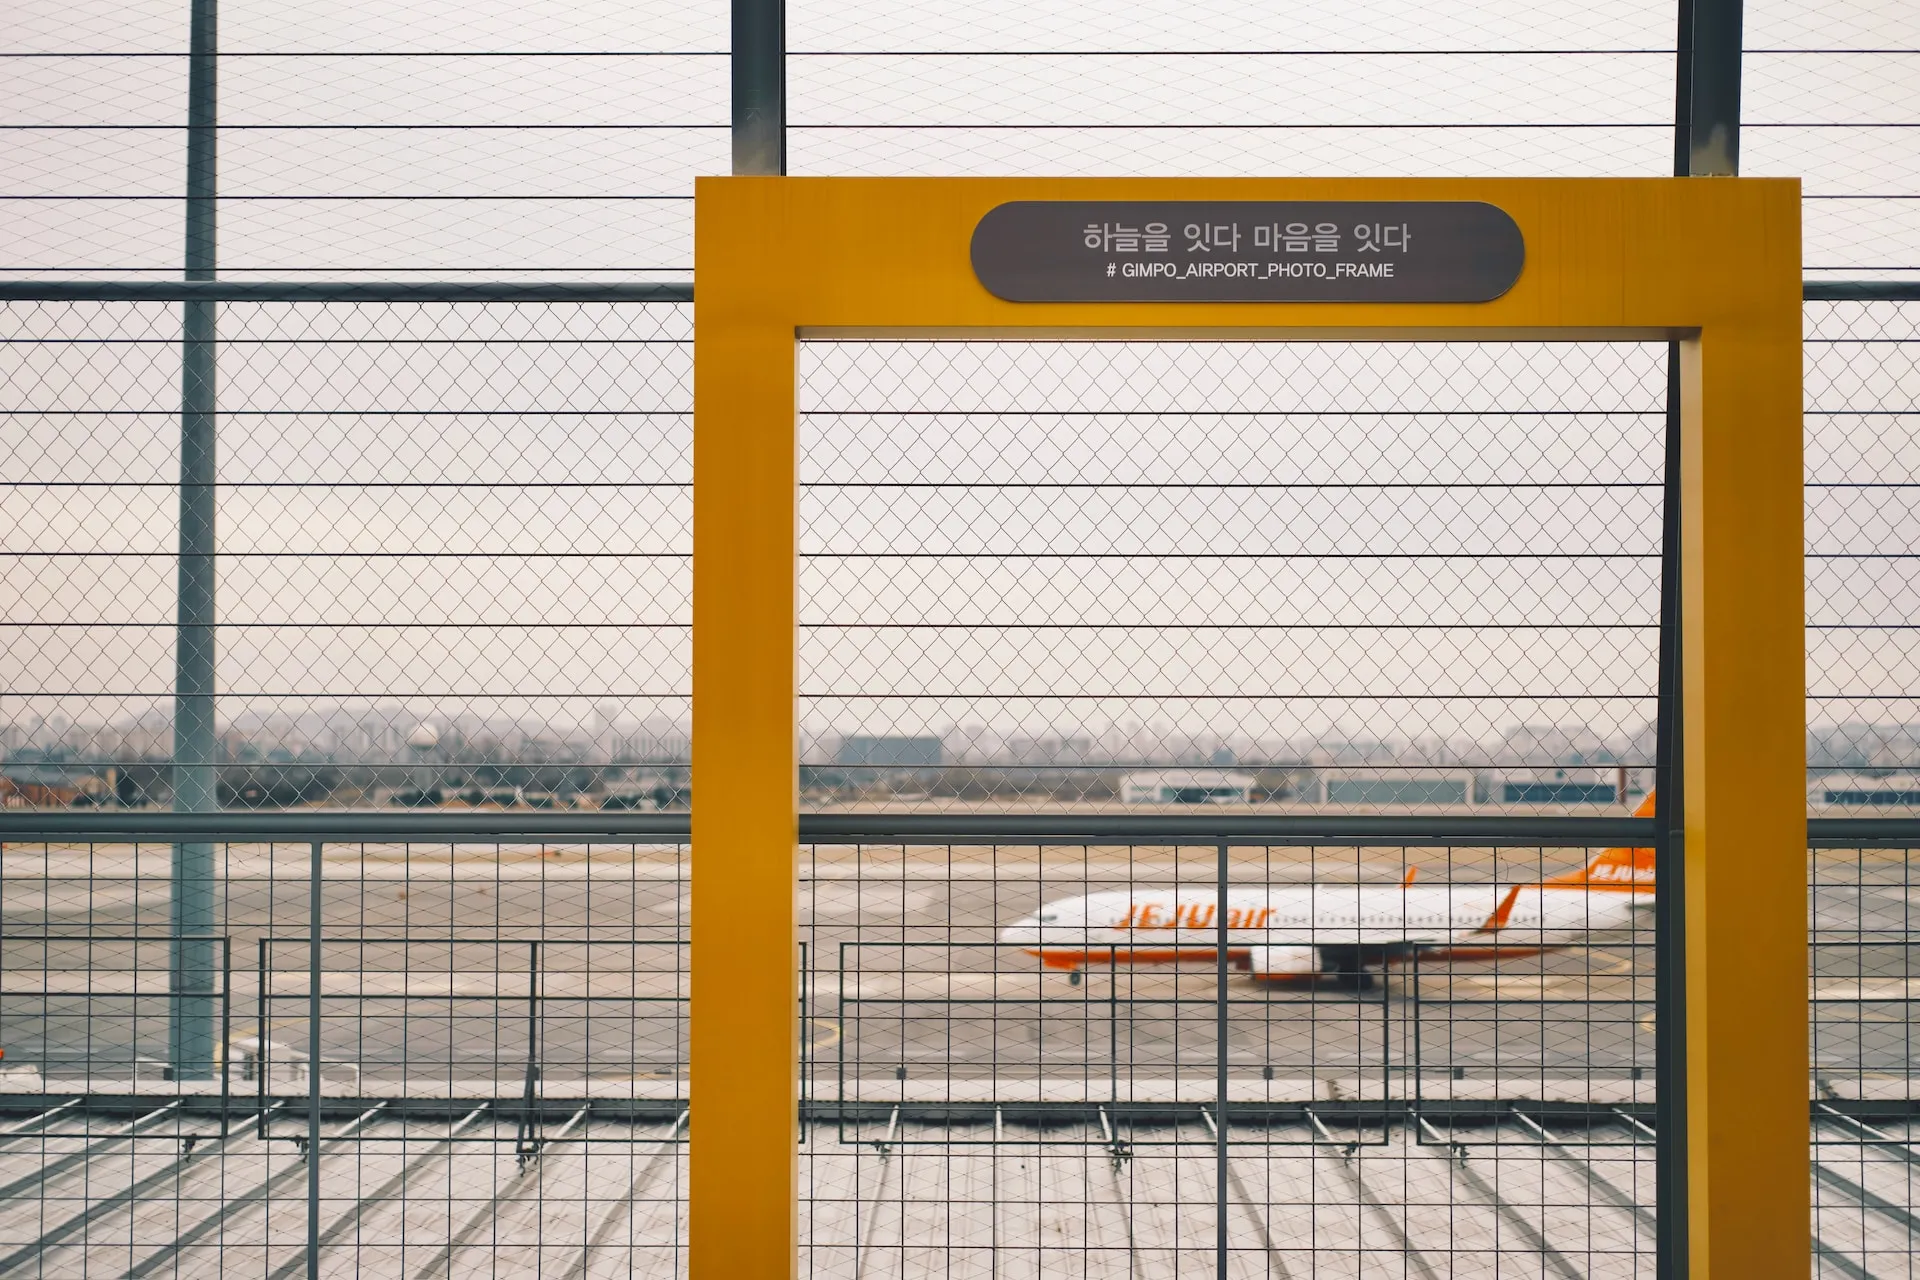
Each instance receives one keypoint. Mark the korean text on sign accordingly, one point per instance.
(1205, 237)
(1376, 237)
(1115, 237)
(1297, 237)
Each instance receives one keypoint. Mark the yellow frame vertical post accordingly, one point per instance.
(1743, 646)
(744, 990)
(1714, 263)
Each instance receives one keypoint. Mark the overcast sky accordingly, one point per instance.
(435, 140)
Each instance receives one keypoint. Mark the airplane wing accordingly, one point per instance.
(1370, 915)
(1346, 935)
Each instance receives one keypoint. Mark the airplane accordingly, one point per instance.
(1340, 934)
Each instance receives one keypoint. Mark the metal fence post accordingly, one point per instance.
(316, 875)
(759, 86)
(195, 744)
(1710, 53)
(1670, 902)
(526, 1139)
(1221, 1012)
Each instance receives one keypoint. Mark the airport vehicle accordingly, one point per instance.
(1341, 933)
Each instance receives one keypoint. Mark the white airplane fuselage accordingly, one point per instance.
(1278, 931)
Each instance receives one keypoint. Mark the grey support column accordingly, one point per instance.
(195, 741)
(1706, 144)
(759, 86)
(316, 921)
(1670, 903)
(1222, 1027)
(1710, 87)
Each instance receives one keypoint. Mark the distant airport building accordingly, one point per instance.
(862, 751)
(1046, 751)
(862, 760)
(1558, 764)
(1186, 786)
(1571, 784)
(1851, 790)
(1390, 787)
(654, 741)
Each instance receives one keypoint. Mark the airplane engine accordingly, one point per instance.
(1273, 962)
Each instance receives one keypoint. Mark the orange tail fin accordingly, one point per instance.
(1620, 869)
(1498, 920)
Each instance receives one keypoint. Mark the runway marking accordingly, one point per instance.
(1844, 990)
(1622, 964)
(1517, 985)
(253, 1031)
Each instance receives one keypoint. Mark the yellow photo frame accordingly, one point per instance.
(1710, 263)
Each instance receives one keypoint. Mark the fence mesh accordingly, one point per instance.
(501, 1028)
(1863, 989)
(1033, 1060)
(453, 557)
(1828, 98)
(393, 141)
(1863, 402)
(1314, 89)
(1861, 684)
(453, 549)
(409, 140)
(498, 1067)
(1341, 575)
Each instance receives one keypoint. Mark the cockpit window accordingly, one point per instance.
(1048, 917)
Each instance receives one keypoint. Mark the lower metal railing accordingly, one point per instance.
(515, 985)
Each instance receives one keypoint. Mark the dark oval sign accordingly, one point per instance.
(1247, 251)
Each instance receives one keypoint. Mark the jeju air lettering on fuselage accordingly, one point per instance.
(1190, 915)
(1620, 873)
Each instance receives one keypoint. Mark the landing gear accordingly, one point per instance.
(1073, 978)
(1343, 969)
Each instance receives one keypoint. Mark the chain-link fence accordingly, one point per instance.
(425, 141)
(452, 546)
(1170, 581)
(1829, 99)
(399, 141)
(1315, 90)
(473, 1010)
(1861, 402)
(1257, 575)
(1175, 1047)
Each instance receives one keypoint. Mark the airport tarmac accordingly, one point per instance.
(429, 952)
(1082, 1199)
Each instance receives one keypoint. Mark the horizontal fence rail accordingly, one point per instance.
(560, 291)
(57, 825)
(1206, 828)
(340, 291)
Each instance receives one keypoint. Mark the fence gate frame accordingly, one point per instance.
(1712, 265)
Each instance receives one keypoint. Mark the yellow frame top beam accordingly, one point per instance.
(1606, 257)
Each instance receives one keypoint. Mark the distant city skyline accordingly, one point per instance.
(379, 733)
